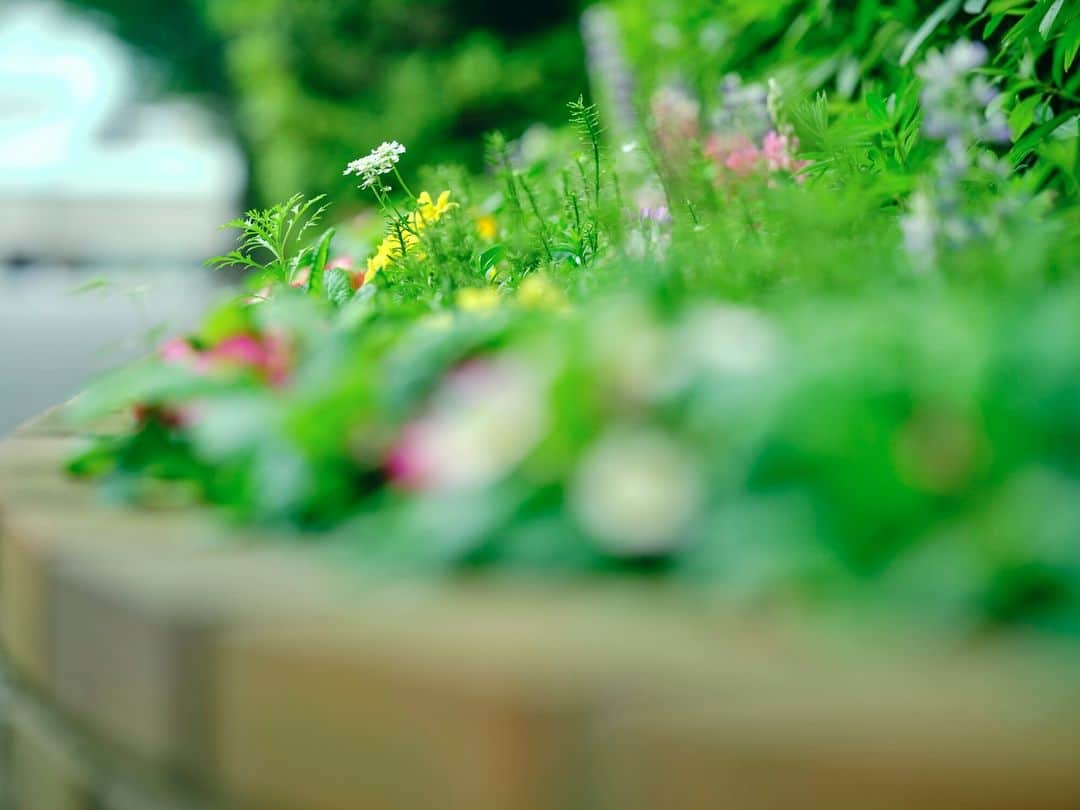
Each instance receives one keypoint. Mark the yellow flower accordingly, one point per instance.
(478, 299)
(427, 212)
(487, 227)
(381, 259)
(432, 211)
(538, 292)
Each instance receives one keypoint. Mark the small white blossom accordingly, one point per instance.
(381, 160)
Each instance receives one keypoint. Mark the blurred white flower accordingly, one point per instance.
(958, 105)
(724, 339)
(631, 352)
(483, 420)
(712, 37)
(636, 492)
(920, 232)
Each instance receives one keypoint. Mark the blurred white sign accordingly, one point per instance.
(87, 172)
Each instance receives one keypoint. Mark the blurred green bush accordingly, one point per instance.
(837, 46)
(863, 50)
(309, 86)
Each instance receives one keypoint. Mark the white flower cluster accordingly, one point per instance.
(381, 160)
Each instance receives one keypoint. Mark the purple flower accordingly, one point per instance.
(659, 214)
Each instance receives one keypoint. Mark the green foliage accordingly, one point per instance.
(856, 48)
(272, 241)
(831, 362)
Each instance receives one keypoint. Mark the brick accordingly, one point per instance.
(861, 739)
(49, 771)
(444, 697)
(30, 486)
(320, 726)
(63, 522)
(132, 635)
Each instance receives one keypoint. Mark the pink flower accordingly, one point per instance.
(660, 214)
(775, 150)
(177, 350)
(778, 152)
(340, 263)
(738, 154)
(302, 277)
(407, 463)
(268, 355)
(744, 160)
(735, 152)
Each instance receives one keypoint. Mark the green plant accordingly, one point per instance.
(793, 351)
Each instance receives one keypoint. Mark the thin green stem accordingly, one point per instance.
(539, 219)
(404, 186)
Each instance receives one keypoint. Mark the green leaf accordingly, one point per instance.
(1022, 115)
(942, 13)
(486, 260)
(877, 106)
(92, 285)
(320, 253)
(1070, 46)
(1047, 23)
(1026, 145)
(149, 382)
(270, 238)
(338, 286)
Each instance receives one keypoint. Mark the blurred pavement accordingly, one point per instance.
(54, 339)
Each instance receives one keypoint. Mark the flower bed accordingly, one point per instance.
(160, 662)
(774, 379)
